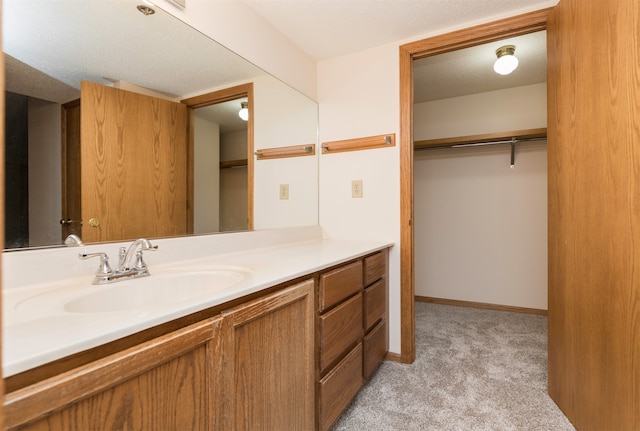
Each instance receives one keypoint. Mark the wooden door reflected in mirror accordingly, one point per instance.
(133, 153)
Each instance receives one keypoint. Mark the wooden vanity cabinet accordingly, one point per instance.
(289, 359)
(251, 367)
(352, 331)
(160, 384)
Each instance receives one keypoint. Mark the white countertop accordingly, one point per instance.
(36, 335)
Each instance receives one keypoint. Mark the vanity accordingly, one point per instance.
(295, 328)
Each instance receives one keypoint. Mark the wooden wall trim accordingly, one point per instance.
(483, 305)
(218, 96)
(514, 26)
(484, 33)
(370, 142)
(284, 152)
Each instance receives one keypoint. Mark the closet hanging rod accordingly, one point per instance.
(480, 144)
(506, 137)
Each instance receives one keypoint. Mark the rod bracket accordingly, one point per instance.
(513, 153)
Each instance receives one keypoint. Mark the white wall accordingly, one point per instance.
(45, 173)
(481, 227)
(233, 145)
(360, 103)
(206, 190)
(511, 109)
(284, 117)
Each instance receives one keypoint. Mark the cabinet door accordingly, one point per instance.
(162, 384)
(268, 362)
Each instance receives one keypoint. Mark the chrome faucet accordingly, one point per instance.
(125, 269)
(124, 261)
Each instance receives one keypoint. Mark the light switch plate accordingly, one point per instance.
(284, 192)
(356, 188)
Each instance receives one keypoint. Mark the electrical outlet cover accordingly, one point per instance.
(284, 192)
(356, 189)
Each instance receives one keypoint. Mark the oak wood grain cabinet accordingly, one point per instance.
(161, 384)
(352, 331)
(250, 367)
(376, 338)
(268, 362)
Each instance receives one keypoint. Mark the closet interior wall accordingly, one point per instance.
(480, 226)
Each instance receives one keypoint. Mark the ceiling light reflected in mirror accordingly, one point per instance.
(243, 113)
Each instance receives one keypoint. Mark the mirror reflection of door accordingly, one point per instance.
(134, 165)
(71, 221)
(221, 186)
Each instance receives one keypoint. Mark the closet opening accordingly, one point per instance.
(480, 177)
(484, 33)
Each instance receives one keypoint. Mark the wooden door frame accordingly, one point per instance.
(484, 33)
(220, 96)
(65, 174)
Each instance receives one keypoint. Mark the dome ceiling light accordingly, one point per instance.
(244, 111)
(507, 61)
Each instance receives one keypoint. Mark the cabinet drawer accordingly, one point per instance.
(375, 303)
(375, 267)
(339, 329)
(376, 346)
(339, 386)
(339, 284)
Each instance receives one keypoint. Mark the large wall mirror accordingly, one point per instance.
(51, 47)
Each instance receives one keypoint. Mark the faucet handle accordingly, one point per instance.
(140, 264)
(104, 269)
(122, 257)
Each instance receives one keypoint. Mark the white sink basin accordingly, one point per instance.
(164, 289)
(154, 291)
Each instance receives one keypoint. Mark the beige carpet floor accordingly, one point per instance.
(475, 369)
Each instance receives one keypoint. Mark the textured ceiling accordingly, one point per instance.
(470, 70)
(106, 41)
(330, 28)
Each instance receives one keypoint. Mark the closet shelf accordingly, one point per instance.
(485, 139)
(233, 163)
